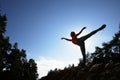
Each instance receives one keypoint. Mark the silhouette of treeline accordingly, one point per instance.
(110, 52)
(13, 62)
(103, 64)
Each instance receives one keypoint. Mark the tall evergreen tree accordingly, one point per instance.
(110, 52)
(13, 62)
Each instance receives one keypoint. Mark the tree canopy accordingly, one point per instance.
(13, 62)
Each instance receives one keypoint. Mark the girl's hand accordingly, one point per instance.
(62, 38)
(84, 27)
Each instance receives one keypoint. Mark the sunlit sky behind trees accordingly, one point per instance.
(38, 25)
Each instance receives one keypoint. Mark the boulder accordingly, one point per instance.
(96, 68)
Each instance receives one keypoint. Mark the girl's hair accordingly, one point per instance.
(72, 34)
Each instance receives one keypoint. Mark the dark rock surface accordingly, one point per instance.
(109, 71)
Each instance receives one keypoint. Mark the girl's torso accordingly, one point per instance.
(75, 40)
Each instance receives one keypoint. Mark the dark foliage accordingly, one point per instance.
(103, 64)
(13, 62)
(110, 52)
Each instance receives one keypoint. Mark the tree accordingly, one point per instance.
(110, 52)
(5, 46)
(13, 62)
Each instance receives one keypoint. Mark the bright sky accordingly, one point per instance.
(38, 25)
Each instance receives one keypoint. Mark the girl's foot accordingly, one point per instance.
(102, 27)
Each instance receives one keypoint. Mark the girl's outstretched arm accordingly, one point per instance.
(66, 39)
(80, 31)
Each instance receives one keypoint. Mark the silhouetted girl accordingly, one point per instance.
(81, 41)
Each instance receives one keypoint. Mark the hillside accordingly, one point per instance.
(110, 71)
(103, 64)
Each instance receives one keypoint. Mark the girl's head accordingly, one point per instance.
(72, 34)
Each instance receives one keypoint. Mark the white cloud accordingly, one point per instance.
(45, 65)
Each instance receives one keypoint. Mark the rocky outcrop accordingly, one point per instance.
(109, 71)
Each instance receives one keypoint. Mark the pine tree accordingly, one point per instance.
(13, 62)
(110, 52)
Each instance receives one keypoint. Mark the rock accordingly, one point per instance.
(109, 71)
(116, 68)
(96, 68)
(107, 66)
